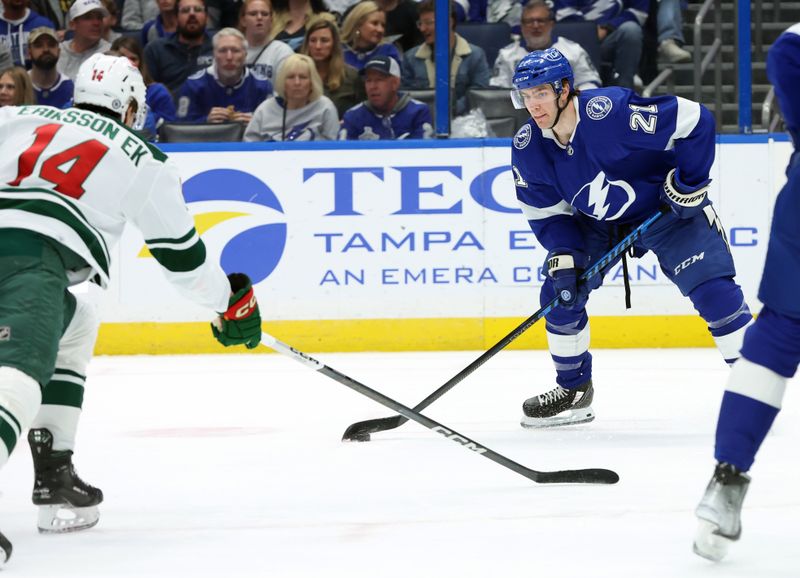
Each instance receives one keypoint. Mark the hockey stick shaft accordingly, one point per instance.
(585, 476)
(360, 430)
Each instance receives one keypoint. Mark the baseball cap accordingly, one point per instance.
(81, 7)
(41, 31)
(384, 64)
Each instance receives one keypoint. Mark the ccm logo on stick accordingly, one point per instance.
(457, 438)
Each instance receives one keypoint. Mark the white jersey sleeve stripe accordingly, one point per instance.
(537, 214)
(686, 119)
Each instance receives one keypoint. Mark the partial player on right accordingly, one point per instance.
(771, 350)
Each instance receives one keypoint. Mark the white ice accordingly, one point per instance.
(232, 466)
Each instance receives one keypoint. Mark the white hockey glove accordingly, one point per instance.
(685, 201)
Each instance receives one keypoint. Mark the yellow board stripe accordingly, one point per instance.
(401, 335)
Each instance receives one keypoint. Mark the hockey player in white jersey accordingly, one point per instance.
(69, 182)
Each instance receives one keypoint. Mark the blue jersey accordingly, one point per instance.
(612, 12)
(780, 283)
(783, 70)
(14, 34)
(410, 119)
(614, 167)
(202, 91)
(59, 95)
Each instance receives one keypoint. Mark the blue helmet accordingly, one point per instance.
(543, 67)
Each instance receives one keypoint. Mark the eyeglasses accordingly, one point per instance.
(227, 49)
(535, 21)
(256, 13)
(195, 9)
(426, 23)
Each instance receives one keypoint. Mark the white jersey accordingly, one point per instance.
(77, 177)
(266, 61)
(586, 75)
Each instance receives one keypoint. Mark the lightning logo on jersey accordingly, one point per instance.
(599, 196)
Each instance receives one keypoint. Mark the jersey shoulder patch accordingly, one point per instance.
(599, 107)
(523, 136)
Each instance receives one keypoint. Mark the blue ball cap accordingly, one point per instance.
(543, 67)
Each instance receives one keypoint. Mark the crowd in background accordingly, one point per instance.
(307, 69)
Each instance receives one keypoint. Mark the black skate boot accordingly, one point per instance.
(5, 550)
(66, 503)
(719, 513)
(559, 406)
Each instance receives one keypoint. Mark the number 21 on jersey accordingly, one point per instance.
(646, 122)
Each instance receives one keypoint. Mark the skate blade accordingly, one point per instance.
(62, 518)
(571, 417)
(708, 543)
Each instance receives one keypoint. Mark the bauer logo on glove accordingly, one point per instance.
(241, 322)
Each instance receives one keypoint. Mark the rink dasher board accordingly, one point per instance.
(405, 246)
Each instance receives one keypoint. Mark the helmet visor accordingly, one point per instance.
(525, 97)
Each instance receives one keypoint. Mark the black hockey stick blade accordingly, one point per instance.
(360, 431)
(588, 476)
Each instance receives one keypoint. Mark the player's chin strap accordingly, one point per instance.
(561, 109)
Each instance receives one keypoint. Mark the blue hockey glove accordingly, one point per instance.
(685, 201)
(241, 323)
(564, 267)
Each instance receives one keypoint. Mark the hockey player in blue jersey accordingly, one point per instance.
(588, 168)
(771, 349)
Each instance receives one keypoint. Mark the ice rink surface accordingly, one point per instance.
(232, 466)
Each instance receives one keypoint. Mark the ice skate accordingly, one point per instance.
(5, 550)
(719, 512)
(559, 406)
(66, 503)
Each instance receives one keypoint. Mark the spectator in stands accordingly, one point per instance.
(290, 18)
(160, 105)
(468, 66)
(136, 12)
(537, 34)
(86, 22)
(619, 29)
(386, 114)
(15, 87)
(16, 23)
(226, 91)
(163, 25)
(363, 35)
(171, 60)
(670, 32)
(299, 110)
(264, 56)
(55, 11)
(110, 22)
(50, 87)
(401, 20)
(223, 13)
(6, 60)
(508, 11)
(341, 82)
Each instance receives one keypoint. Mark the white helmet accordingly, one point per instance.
(111, 82)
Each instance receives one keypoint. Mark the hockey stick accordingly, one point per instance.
(360, 431)
(587, 476)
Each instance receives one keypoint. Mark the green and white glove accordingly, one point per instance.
(241, 323)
